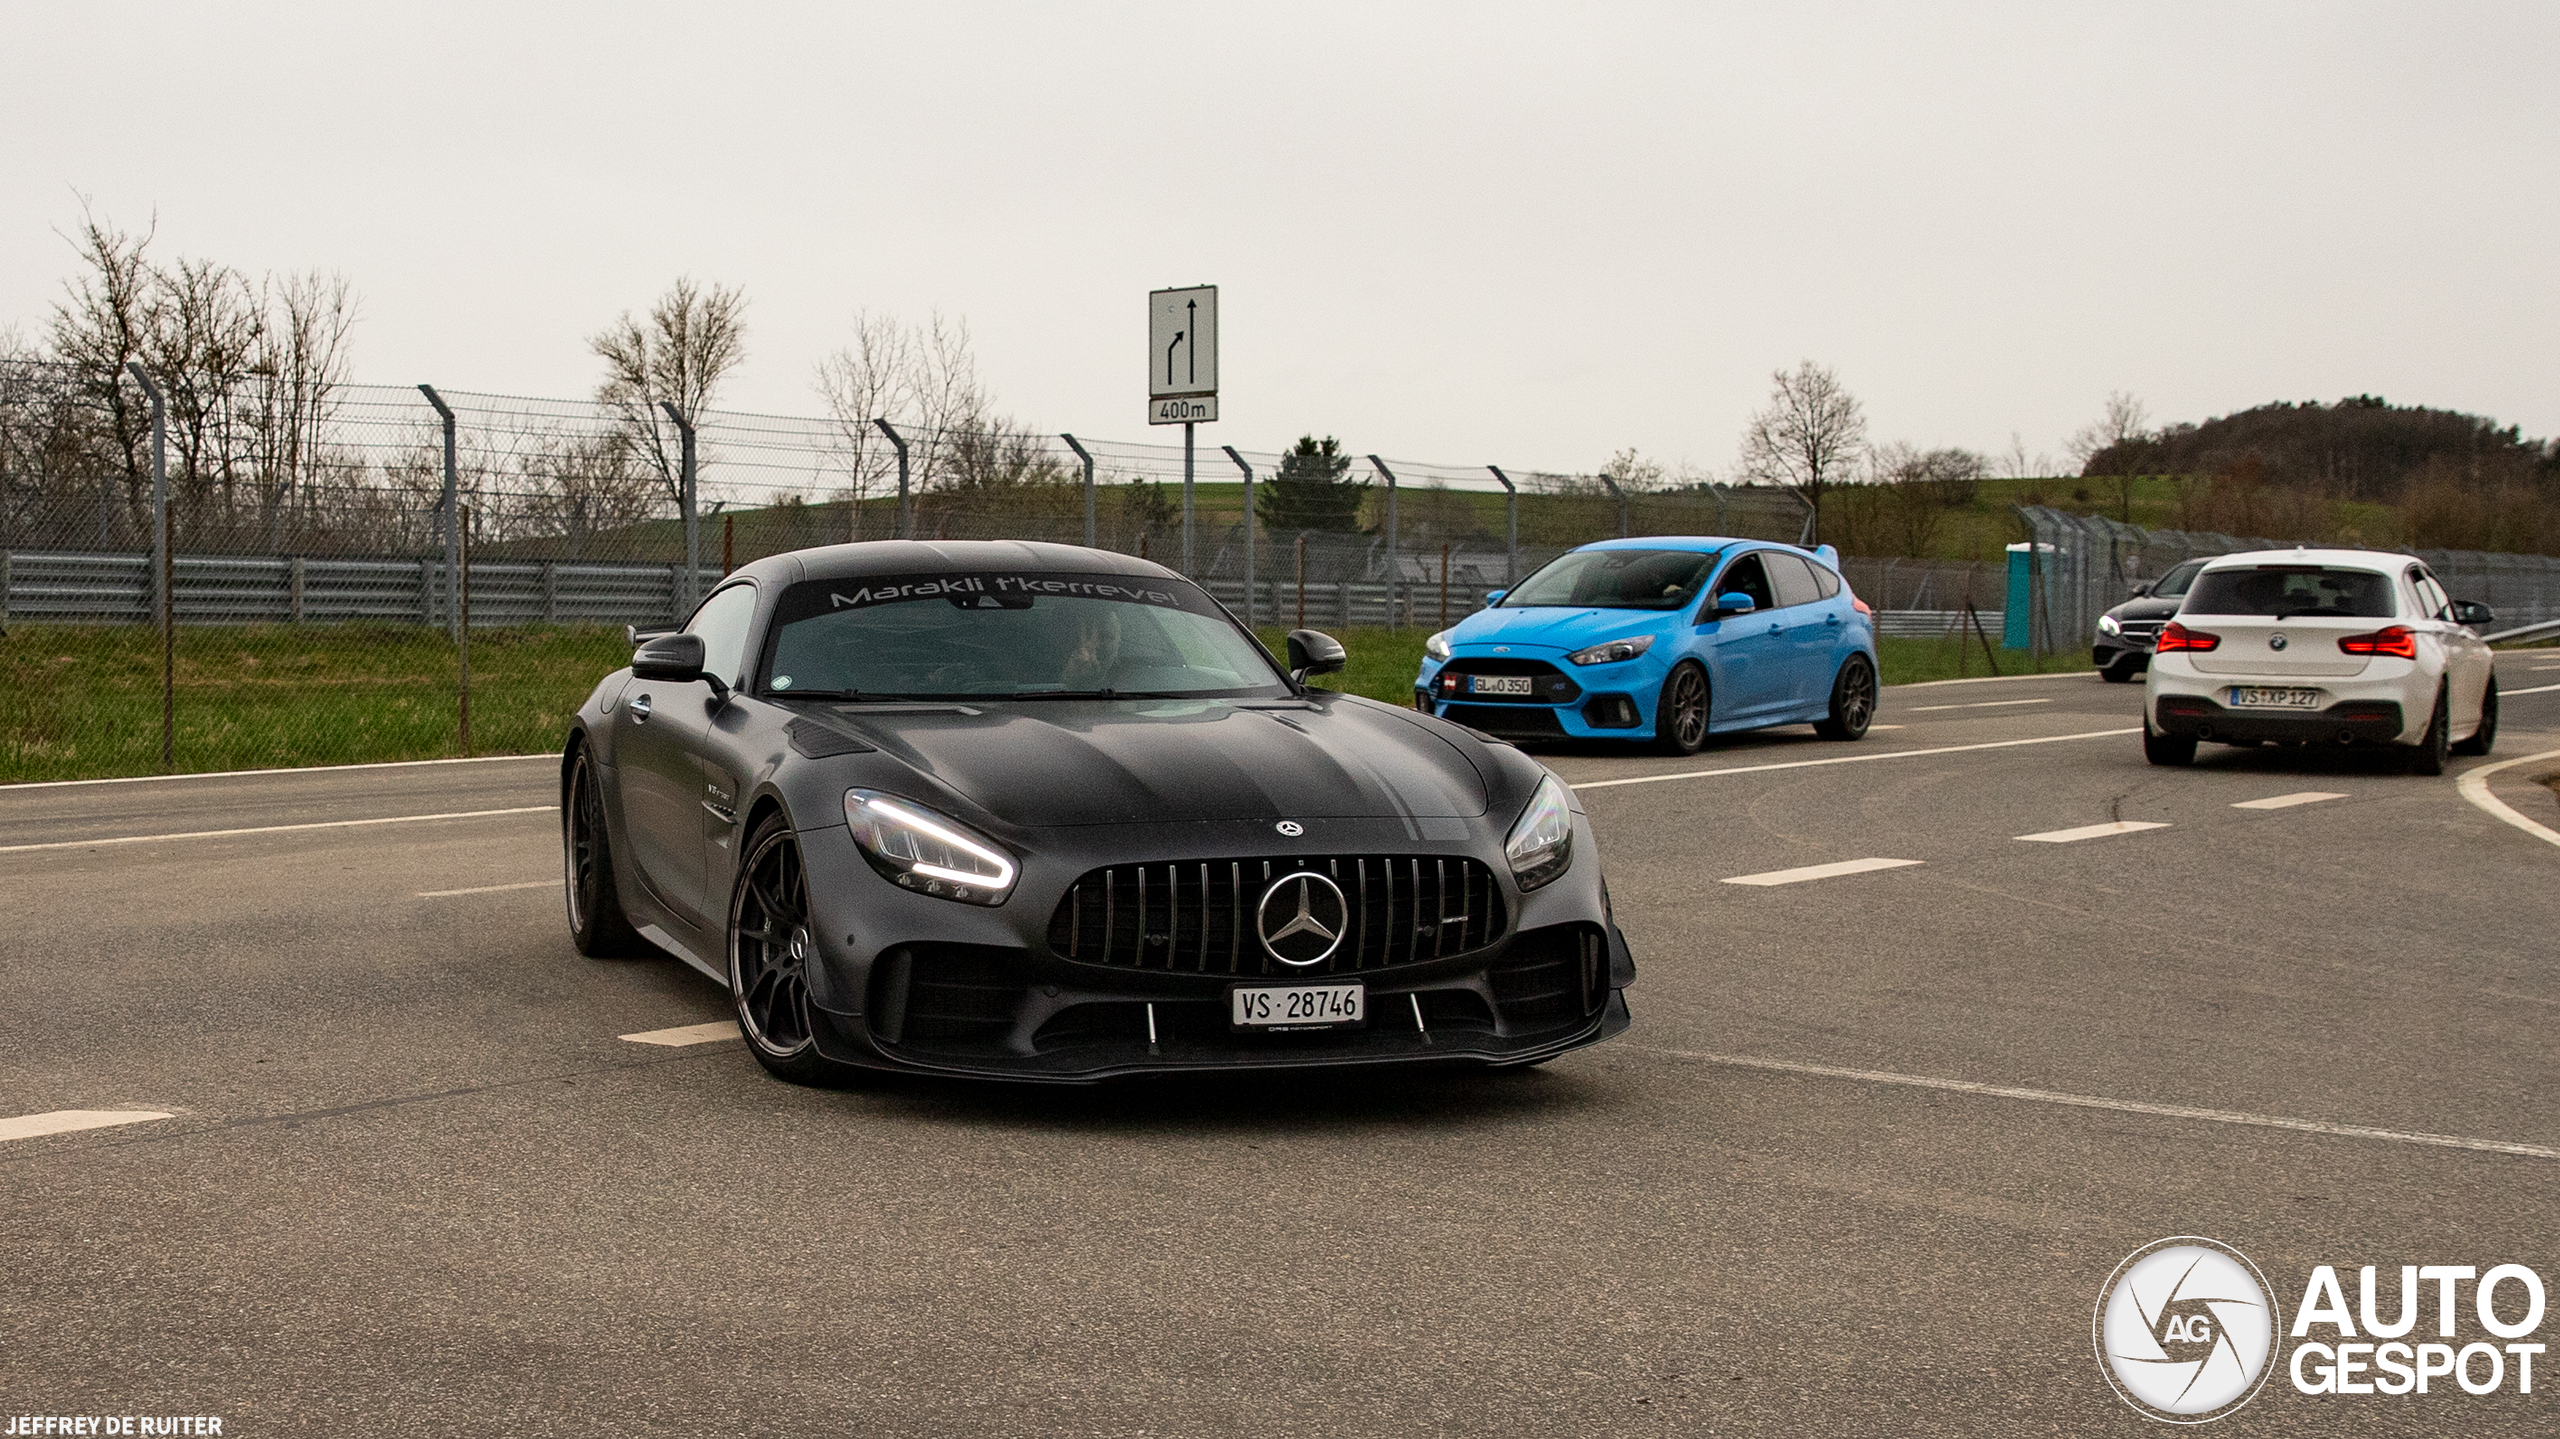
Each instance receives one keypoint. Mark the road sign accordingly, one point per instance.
(1182, 410)
(1182, 343)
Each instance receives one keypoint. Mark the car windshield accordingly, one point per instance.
(1010, 634)
(1616, 580)
(2175, 583)
(2291, 591)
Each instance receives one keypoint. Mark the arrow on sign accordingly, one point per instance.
(1175, 344)
(1191, 310)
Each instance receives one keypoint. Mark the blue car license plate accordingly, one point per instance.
(1513, 685)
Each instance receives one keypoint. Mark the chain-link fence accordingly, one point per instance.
(2077, 567)
(198, 575)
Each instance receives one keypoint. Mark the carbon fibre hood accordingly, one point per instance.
(1074, 762)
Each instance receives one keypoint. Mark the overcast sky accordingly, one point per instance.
(1522, 234)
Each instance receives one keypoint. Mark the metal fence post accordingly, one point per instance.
(1081, 454)
(1511, 528)
(444, 510)
(462, 613)
(692, 500)
(1621, 497)
(164, 567)
(1393, 555)
(1248, 531)
(906, 502)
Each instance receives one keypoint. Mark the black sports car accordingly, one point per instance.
(2127, 633)
(1039, 812)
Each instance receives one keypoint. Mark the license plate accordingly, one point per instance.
(2264, 698)
(1297, 1006)
(1498, 684)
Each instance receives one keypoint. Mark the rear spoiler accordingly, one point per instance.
(1828, 555)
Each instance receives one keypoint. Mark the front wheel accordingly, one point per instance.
(1853, 701)
(2435, 749)
(1680, 712)
(2487, 734)
(771, 949)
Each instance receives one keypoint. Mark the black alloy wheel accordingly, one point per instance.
(1680, 711)
(1853, 701)
(2170, 750)
(2487, 734)
(2436, 749)
(771, 948)
(596, 922)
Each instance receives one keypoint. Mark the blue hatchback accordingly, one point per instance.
(1664, 639)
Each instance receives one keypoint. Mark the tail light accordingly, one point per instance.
(2175, 636)
(2397, 641)
(1861, 606)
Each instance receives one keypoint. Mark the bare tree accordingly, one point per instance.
(1810, 435)
(2125, 422)
(691, 341)
(2017, 464)
(1917, 487)
(923, 378)
(99, 327)
(295, 371)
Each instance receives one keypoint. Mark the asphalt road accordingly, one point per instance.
(412, 1181)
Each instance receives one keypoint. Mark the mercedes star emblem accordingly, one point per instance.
(1301, 918)
(1291, 828)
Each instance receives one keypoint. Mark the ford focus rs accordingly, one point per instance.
(1664, 640)
(1032, 811)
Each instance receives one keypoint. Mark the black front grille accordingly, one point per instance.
(1197, 916)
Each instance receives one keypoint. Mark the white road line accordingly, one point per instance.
(2474, 786)
(683, 1035)
(1855, 758)
(1874, 727)
(2536, 690)
(489, 889)
(2288, 801)
(2093, 831)
(2544, 669)
(255, 773)
(2001, 679)
(68, 1121)
(2125, 1106)
(275, 828)
(1820, 871)
(1978, 705)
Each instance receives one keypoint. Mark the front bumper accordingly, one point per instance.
(908, 982)
(2390, 702)
(1610, 701)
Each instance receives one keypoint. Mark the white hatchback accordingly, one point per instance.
(2318, 647)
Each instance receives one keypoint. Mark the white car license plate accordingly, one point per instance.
(1298, 1006)
(1498, 684)
(2264, 697)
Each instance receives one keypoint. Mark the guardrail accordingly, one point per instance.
(292, 589)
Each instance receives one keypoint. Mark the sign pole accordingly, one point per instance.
(1187, 429)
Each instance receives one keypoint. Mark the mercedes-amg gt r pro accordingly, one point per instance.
(1038, 812)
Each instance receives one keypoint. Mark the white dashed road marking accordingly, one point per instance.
(2125, 1106)
(489, 889)
(1820, 871)
(683, 1035)
(1982, 705)
(1858, 758)
(2536, 690)
(2288, 801)
(67, 1121)
(275, 828)
(2093, 831)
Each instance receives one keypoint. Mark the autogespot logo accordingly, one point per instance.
(2185, 1329)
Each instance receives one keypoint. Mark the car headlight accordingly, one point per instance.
(1612, 652)
(914, 848)
(1437, 646)
(1541, 843)
(2107, 625)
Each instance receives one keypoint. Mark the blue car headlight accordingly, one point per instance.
(1612, 652)
(1437, 646)
(1540, 846)
(914, 848)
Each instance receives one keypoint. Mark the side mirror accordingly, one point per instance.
(676, 659)
(1736, 603)
(638, 635)
(2473, 613)
(1494, 597)
(2142, 591)
(1313, 652)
